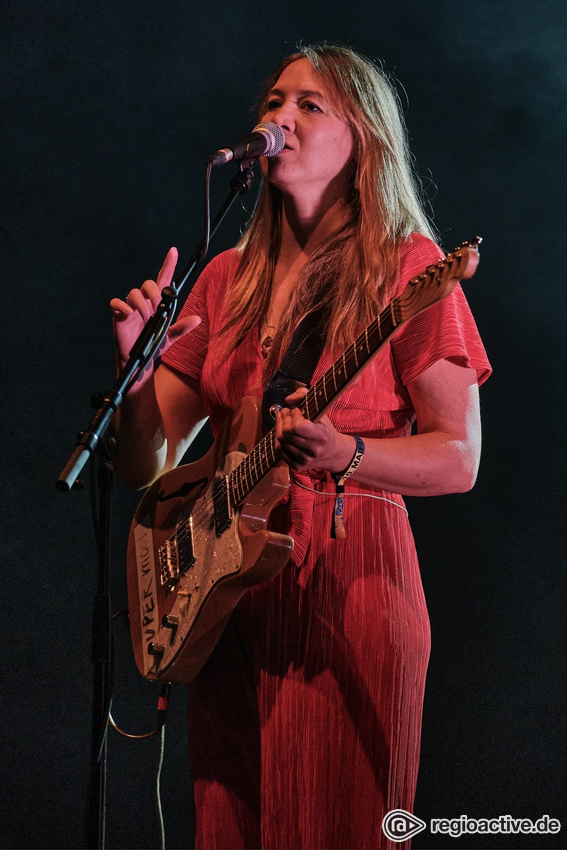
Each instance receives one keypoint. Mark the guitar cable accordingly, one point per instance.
(161, 730)
(162, 708)
(161, 716)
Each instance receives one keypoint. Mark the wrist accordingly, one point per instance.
(350, 457)
(144, 378)
(340, 479)
(345, 454)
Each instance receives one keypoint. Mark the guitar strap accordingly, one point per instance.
(297, 367)
(296, 371)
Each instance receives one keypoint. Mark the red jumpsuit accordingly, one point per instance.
(304, 725)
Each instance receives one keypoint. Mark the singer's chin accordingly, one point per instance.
(277, 180)
(274, 168)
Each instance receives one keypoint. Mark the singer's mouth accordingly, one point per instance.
(285, 149)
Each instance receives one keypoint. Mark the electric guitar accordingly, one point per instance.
(200, 536)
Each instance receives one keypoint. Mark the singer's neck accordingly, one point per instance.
(306, 223)
(303, 230)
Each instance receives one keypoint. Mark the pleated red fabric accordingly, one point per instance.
(304, 725)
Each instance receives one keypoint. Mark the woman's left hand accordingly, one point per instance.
(304, 444)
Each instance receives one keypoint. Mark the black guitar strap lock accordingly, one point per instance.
(279, 387)
(297, 367)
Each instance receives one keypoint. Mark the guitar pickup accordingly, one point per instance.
(221, 504)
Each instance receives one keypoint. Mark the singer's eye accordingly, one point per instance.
(310, 107)
(273, 104)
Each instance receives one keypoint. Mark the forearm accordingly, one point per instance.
(430, 464)
(442, 457)
(142, 445)
(157, 423)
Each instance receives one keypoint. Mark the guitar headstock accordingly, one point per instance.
(440, 279)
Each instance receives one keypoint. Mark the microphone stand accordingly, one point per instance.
(91, 444)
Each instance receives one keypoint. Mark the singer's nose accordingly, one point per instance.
(283, 117)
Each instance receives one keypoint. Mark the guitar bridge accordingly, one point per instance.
(176, 556)
(168, 563)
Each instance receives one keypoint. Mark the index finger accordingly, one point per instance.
(295, 397)
(166, 272)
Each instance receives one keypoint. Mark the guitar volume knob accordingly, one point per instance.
(169, 621)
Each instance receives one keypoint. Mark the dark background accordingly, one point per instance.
(111, 109)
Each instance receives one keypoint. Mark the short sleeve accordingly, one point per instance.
(445, 330)
(188, 354)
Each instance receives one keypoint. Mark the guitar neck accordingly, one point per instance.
(335, 380)
(434, 284)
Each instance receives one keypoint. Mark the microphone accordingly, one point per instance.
(266, 139)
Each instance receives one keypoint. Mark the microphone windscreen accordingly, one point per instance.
(277, 134)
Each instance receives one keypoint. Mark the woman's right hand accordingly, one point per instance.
(131, 313)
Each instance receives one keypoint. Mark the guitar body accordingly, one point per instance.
(184, 579)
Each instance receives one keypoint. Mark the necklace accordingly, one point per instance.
(266, 344)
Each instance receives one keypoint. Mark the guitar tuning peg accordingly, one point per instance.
(474, 243)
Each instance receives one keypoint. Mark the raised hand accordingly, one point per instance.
(131, 313)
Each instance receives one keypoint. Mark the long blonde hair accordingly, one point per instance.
(351, 274)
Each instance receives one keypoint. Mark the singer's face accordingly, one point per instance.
(318, 155)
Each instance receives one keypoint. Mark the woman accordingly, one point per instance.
(305, 722)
